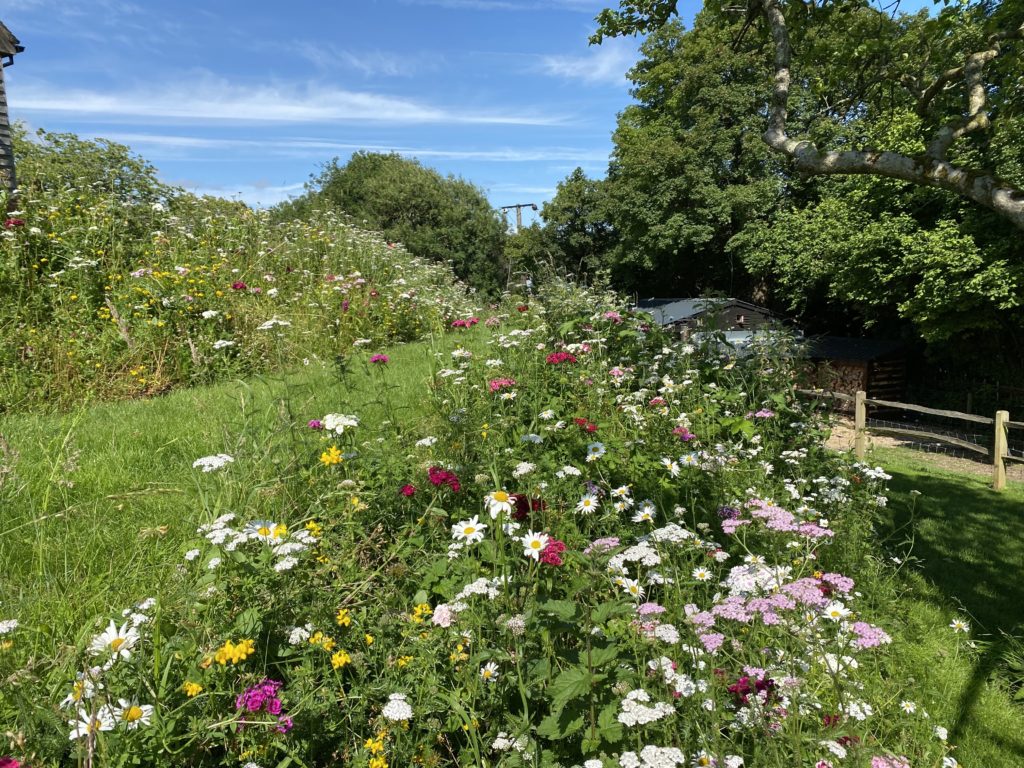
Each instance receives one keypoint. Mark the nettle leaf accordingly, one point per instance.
(565, 610)
(248, 623)
(602, 654)
(562, 722)
(571, 683)
(607, 721)
(605, 611)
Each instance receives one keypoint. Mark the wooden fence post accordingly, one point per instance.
(860, 421)
(999, 451)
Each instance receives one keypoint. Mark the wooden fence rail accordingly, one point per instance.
(1000, 424)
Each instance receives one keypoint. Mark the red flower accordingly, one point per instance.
(551, 554)
(439, 477)
(497, 385)
(557, 358)
(407, 490)
(11, 224)
(238, 285)
(522, 307)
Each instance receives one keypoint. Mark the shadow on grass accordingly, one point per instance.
(970, 544)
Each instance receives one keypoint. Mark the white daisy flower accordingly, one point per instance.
(533, 544)
(547, 415)
(671, 466)
(469, 531)
(632, 588)
(498, 502)
(116, 642)
(595, 451)
(588, 504)
(622, 492)
(960, 625)
(643, 515)
(702, 574)
(131, 714)
(908, 707)
(689, 460)
(836, 611)
(489, 672)
(86, 723)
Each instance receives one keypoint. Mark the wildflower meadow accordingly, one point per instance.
(539, 532)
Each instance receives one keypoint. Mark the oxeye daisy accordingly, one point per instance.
(908, 707)
(117, 642)
(533, 544)
(689, 460)
(702, 574)
(621, 492)
(632, 588)
(959, 625)
(643, 515)
(587, 504)
(498, 502)
(595, 451)
(836, 611)
(469, 531)
(671, 466)
(131, 714)
(489, 672)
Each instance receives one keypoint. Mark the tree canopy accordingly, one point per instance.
(442, 218)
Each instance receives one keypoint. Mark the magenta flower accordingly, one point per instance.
(238, 285)
(497, 385)
(379, 359)
(551, 554)
(315, 424)
(407, 490)
(11, 224)
(557, 358)
(9, 762)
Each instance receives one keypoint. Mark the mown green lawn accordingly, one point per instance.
(966, 557)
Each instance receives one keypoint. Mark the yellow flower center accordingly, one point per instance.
(535, 544)
(132, 714)
(469, 530)
(500, 496)
(116, 643)
(263, 530)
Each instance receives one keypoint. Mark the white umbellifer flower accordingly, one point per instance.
(593, 763)
(214, 562)
(940, 733)
(223, 344)
(588, 504)
(667, 633)
(132, 714)
(702, 574)
(532, 438)
(339, 422)
(567, 471)
(274, 322)
(835, 748)
(7, 626)
(533, 544)
(212, 463)
(671, 466)
(493, 363)
(299, 635)
(86, 723)
(522, 469)
(469, 531)
(489, 672)
(116, 642)
(497, 502)
(192, 554)
(635, 710)
(397, 709)
(362, 342)
(285, 564)
(950, 762)
(426, 442)
(836, 611)
(209, 314)
(733, 761)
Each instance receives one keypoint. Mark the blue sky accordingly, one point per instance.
(246, 99)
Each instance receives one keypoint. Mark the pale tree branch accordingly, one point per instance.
(932, 169)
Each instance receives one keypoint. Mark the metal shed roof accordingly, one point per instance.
(9, 44)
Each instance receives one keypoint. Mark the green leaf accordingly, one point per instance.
(562, 723)
(603, 654)
(248, 623)
(611, 729)
(570, 684)
(562, 609)
(605, 611)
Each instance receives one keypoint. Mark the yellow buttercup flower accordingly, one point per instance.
(232, 653)
(340, 659)
(191, 689)
(331, 456)
(344, 618)
(369, 639)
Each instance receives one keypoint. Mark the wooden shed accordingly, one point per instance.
(711, 313)
(9, 47)
(843, 364)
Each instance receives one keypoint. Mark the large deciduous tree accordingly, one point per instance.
(958, 73)
(434, 216)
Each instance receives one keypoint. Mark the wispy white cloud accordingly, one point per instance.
(316, 147)
(213, 99)
(605, 63)
(371, 63)
(582, 6)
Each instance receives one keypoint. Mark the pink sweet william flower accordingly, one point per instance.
(497, 385)
(11, 224)
(407, 490)
(683, 434)
(599, 546)
(9, 762)
(238, 285)
(315, 424)
(764, 413)
(614, 316)
(551, 554)
(889, 761)
(712, 641)
(380, 359)
(557, 358)
(443, 615)
(648, 609)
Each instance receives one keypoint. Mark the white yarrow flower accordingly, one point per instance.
(397, 709)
